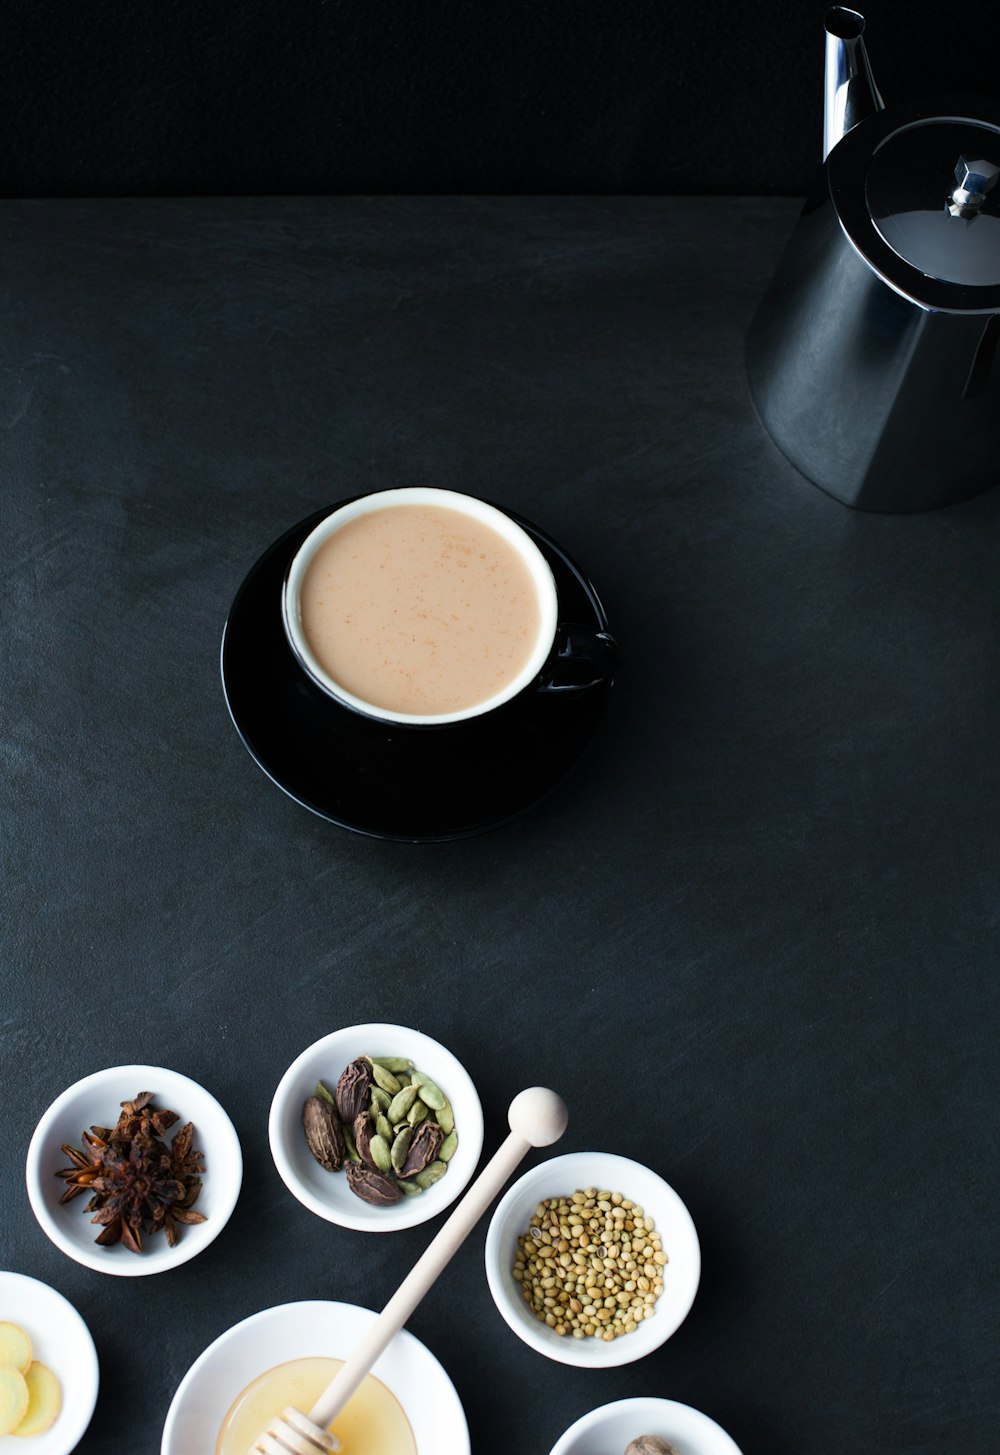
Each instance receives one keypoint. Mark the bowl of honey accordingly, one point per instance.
(287, 1355)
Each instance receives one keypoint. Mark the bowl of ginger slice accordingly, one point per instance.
(48, 1368)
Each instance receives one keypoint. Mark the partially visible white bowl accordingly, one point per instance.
(560, 1177)
(327, 1193)
(60, 1339)
(297, 1331)
(96, 1101)
(610, 1428)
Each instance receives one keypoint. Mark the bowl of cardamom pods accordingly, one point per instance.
(376, 1127)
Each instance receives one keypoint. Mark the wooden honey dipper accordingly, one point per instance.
(537, 1118)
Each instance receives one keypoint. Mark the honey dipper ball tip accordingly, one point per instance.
(538, 1115)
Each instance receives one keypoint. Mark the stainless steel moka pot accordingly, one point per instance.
(873, 356)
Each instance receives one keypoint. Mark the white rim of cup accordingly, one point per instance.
(468, 505)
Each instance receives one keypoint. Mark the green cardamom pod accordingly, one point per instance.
(409, 1189)
(417, 1078)
(352, 1150)
(383, 1128)
(431, 1174)
(446, 1118)
(401, 1104)
(433, 1095)
(322, 1092)
(385, 1079)
(379, 1149)
(380, 1099)
(403, 1077)
(395, 1064)
(417, 1112)
(400, 1147)
(448, 1147)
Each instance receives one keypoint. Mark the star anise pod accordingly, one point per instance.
(184, 1163)
(86, 1166)
(139, 1118)
(134, 1187)
(186, 1166)
(138, 1183)
(175, 1216)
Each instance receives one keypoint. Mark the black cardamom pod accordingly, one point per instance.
(354, 1090)
(423, 1149)
(371, 1186)
(324, 1137)
(363, 1139)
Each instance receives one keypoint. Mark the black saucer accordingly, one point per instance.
(418, 784)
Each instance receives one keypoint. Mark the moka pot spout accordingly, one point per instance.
(851, 93)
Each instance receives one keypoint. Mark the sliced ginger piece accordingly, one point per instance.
(15, 1347)
(13, 1399)
(44, 1400)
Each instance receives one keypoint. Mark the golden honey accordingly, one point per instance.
(371, 1423)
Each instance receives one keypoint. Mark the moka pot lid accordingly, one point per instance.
(917, 191)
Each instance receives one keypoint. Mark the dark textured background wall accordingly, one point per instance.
(217, 96)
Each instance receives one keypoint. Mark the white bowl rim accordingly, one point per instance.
(408, 1212)
(473, 508)
(403, 1340)
(152, 1260)
(722, 1442)
(586, 1353)
(86, 1367)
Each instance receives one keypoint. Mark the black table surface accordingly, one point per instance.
(753, 940)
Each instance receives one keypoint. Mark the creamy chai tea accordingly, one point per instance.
(420, 609)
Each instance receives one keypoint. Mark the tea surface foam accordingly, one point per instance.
(420, 609)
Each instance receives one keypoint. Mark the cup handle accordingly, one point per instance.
(581, 658)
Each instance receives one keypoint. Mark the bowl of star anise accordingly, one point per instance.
(134, 1170)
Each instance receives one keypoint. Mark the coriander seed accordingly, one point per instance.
(590, 1265)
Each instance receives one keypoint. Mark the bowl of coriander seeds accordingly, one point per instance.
(592, 1259)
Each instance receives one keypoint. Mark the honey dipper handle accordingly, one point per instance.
(537, 1118)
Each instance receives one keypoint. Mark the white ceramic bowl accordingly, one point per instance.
(96, 1101)
(327, 1193)
(297, 1331)
(560, 1177)
(610, 1428)
(60, 1339)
